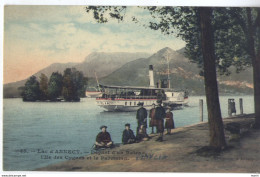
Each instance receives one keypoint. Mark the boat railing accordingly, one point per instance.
(113, 97)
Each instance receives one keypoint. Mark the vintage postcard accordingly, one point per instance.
(91, 88)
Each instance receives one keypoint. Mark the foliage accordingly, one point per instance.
(32, 90)
(68, 90)
(55, 86)
(80, 82)
(74, 84)
(71, 86)
(100, 13)
(230, 29)
(43, 87)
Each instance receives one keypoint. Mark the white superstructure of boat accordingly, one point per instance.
(126, 98)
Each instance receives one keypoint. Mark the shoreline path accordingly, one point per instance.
(177, 153)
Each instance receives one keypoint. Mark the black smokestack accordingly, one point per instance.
(151, 76)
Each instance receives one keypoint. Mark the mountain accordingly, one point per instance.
(182, 71)
(103, 63)
(184, 74)
(12, 90)
(131, 69)
(60, 67)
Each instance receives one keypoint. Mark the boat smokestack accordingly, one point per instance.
(151, 76)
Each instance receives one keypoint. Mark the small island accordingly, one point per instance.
(67, 87)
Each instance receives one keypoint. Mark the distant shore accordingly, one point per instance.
(58, 100)
(177, 153)
(197, 95)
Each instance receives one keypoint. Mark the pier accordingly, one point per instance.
(178, 152)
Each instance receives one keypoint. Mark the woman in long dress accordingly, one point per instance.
(169, 122)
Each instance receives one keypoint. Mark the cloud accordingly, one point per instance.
(50, 34)
(65, 29)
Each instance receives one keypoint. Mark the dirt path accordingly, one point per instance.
(177, 153)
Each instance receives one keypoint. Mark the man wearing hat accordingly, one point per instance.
(159, 116)
(169, 122)
(141, 116)
(152, 122)
(103, 139)
(128, 136)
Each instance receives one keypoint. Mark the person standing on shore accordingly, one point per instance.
(152, 122)
(141, 116)
(233, 107)
(169, 122)
(160, 115)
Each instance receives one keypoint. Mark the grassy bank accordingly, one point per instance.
(179, 152)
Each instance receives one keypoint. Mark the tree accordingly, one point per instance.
(217, 137)
(69, 89)
(247, 20)
(43, 87)
(32, 90)
(168, 19)
(80, 82)
(55, 86)
(253, 41)
(237, 42)
(71, 86)
(74, 84)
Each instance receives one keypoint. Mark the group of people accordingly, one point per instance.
(157, 116)
(103, 139)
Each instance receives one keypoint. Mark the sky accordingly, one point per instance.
(37, 36)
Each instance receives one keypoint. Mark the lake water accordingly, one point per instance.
(31, 128)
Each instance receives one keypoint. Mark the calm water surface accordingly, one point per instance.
(32, 127)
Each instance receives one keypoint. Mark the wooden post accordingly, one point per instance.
(229, 108)
(201, 109)
(241, 105)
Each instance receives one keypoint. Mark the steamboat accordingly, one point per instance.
(126, 98)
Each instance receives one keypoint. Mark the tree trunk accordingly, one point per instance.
(255, 56)
(256, 71)
(217, 138)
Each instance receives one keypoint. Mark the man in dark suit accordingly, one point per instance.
(141, 116)
(159, 116)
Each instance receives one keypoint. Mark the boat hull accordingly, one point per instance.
(183, 102)
(130, 105)
(126, 105)
(115, 108)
